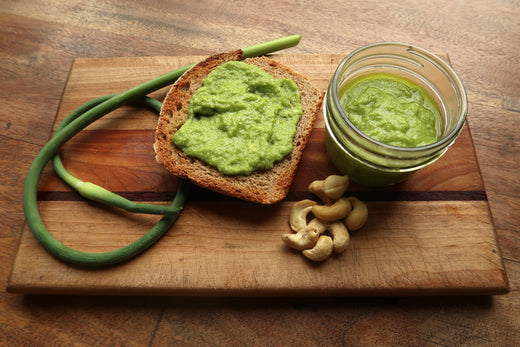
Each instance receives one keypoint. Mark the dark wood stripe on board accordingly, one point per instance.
(198, 194)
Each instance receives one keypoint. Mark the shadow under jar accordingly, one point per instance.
(368, 161)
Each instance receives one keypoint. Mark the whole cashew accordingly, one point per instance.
(339, 210)
(306, 237)
(316, 188)
(298, 214)
(321, 251)
(334, 186)
(340, 236)
(358, 216)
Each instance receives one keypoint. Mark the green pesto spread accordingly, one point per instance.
(241, 119)
(392, 110)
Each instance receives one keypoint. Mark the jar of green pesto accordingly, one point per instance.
(391, 109)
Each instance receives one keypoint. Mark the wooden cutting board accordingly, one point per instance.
(431, 235)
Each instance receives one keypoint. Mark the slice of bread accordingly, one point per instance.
(267, 186)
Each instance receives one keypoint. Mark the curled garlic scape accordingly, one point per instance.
(338, 215)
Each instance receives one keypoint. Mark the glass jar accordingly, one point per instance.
(374, 163)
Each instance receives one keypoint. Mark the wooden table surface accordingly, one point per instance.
(39, 41)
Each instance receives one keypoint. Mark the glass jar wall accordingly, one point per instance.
(371, 162)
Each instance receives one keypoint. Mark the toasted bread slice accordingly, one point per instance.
(266, 186)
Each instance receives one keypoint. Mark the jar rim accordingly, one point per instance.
(439, 64)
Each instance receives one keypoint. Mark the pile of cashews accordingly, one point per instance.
(338, 215)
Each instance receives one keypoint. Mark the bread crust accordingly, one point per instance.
(266, 186)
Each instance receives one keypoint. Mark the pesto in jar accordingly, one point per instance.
(241, 119)
(392, 110)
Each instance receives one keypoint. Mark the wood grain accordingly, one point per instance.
(39, 40)
(224, 246)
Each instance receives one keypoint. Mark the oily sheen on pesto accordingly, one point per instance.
(392, 110)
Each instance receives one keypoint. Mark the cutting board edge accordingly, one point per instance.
(495, 290)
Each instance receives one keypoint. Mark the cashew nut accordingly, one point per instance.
(358, 216)
(298, 214)
(316, 188)
(339, 210)
(340, 236)
(306, 237)
(338, 215)
(334, 186)
(321, 251)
